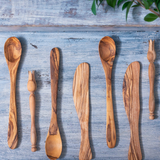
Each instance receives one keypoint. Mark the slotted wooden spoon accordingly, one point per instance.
(12, 52)
(132, 107)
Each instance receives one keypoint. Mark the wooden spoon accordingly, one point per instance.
(53, 145)
(107, 51)
(151, 55)
(32, 86)
(12, 51)
(81, 101)
(132, 107)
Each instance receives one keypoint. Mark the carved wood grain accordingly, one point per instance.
(12, 51)
(132, 107)
(107, 51)
(31, 88)
(151, 55)
(54, 68)
(53, 144)
(81, 101)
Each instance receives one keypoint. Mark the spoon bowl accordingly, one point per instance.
(107, 49)
(107, 52)
(53, 150)
(12, 49)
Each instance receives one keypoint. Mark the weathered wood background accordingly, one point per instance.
(69, 25)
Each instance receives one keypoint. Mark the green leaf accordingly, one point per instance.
(158, 5)
(125, 5)
(120, 1)
(150, 2)
(93, 8)
(128, 7)
(112, 3)
(137, 5)
(146, 4)
(155, 9)
(150, 17)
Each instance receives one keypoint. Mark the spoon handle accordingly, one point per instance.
(151, 56)
(12, 126)
(33, 128)
(110, 128)
(31, 88)
(151, 71)
(54, 68)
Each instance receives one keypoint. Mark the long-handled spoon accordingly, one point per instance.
(12, 51)
(107, 51)
(53, 145)
(151, 55)
(81, 101)
(132, 107)
(31, 86)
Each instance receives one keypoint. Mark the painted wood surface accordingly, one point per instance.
(75, 48)
(67, 12)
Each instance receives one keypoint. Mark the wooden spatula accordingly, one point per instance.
(132, 107)
(81, 101)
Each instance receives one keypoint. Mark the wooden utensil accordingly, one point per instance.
(107, 51)
(81, 101)
(53, 145)
(151, 55)
(12, 52)
(132, 107)
(32, 86)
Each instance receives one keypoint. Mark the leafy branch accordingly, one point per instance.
(151, 5)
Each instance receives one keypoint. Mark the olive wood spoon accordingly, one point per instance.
(32, 86)
(132, 107)
(151, 55)
(107, 51)
(12, 52)
(81, 101)
(53, 144)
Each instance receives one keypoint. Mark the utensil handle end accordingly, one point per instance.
(33, 138)
(151, 74)
(110, 127)
(85, 149)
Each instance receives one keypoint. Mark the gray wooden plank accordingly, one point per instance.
(67, 12)
(76, 28)
(77, 47)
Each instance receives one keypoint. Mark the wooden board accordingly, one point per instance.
(78, 47)
(66, 13)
